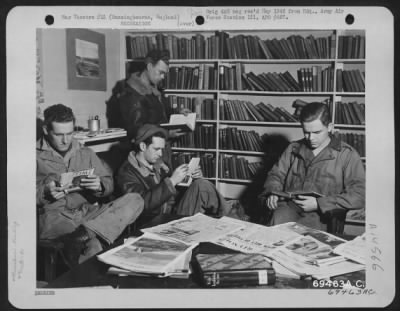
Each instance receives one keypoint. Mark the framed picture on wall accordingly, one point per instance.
(86, 60)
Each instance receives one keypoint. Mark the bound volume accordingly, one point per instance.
(179, 121)
(295, 194)
(235, 269)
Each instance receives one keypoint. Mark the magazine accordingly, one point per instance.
(70, 181)
(193, 165)
(354, 249)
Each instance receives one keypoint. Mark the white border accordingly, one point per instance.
(21, 110)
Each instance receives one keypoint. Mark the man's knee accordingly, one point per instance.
(202, 185)
(132, 205)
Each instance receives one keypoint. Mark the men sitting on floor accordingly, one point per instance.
(319, 162)
(145, 173)
(72, 217)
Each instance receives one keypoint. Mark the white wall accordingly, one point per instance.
(54, 69)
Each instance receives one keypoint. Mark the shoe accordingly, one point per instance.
(74, 245)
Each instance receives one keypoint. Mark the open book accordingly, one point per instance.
(71, 180)
(183, 122)
(193, 165)
(295, 194)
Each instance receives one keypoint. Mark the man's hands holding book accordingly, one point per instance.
(307, 202)
(91, 182)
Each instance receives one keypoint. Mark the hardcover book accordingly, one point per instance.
(185, 123)
(234, 269)
(295, 194)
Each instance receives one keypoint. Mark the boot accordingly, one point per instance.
(74, 245)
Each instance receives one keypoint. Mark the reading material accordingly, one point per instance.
(183, 122)
(295, 194)
(149, 254)
(224, 270)
(195, 229)
(71, 180)
(193, 165)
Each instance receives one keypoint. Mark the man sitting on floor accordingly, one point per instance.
(145, 173)
(71, 217)
(319, 162)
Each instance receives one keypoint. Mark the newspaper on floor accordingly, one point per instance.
(321, 236)
(355, 249)
(306, 255)
(254, 238)
(195, 229)
(149, 254)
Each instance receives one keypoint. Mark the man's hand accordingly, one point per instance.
(179, 174)
(197, 173)
(185, 111)
(54, 192)
(307, 203)
(272, 201)
(176, 133)
(91, 182)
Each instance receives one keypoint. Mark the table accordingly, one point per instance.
(101, 141)
(94, 273)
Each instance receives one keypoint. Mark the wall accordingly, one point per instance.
(54, 74)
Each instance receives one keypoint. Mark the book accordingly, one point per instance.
(193, 165)
(183, 122)
(233, 269)
(295, 194)
(70, 181)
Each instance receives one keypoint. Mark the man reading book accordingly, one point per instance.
(71, 217)
(321, 163)
(144, 172)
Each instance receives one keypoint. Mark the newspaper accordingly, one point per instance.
(321, 236)
(254, 238)
(150, 254)
(355, 249)
(306, 255)
(195, 229)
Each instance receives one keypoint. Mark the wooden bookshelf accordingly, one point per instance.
(322, 55)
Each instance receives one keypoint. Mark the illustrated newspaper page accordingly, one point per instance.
(253, 67)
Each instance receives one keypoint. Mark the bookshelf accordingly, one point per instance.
(229, 77)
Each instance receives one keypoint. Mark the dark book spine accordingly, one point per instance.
(234, 278)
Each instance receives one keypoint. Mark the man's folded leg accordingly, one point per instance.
(201, 197)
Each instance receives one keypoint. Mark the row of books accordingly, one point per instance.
(202, 77)
(357, 141)
(311, 79)
(234, 167)
(350, 80)
(240, 110)
(316, 79)
(221, 46)
(205, 108)
(351, 47)
(350, 113)
(207, 161)
(232, 138)
(204, 136)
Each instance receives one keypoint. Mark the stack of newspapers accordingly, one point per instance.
(294, 250)
(165, 250)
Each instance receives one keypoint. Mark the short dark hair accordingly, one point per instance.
(149, 140)
(314, 111)
(154, 56)
(57, 113)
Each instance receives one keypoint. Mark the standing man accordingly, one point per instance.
(144, 173)
(321, 163)
(140, 100)
(72, 217)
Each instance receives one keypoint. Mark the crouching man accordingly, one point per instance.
(145, 173)
(74, 217)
